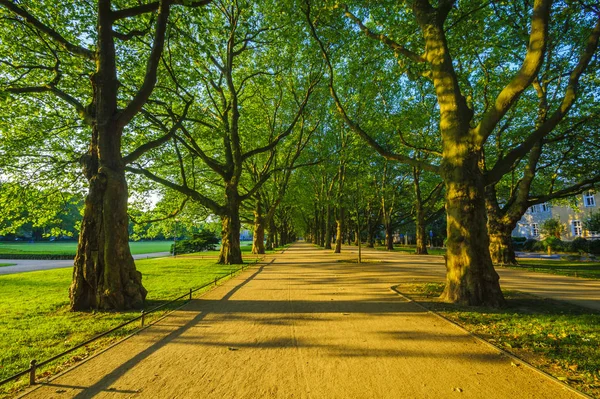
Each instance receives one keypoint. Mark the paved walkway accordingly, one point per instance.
(32, 265)
(305, 326)
(580, 291)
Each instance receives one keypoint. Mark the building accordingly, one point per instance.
(530, 224)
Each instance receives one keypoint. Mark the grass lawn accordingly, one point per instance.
(70, 247)
(557, 337)
(562, 267)
(36, 322)
(411, 250)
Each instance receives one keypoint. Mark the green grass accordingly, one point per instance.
(560, 338)
(70, 247)
(411, 250)
(561, 267)
(36, 322)
(6, 264)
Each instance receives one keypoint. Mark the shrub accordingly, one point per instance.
(579, 245)
(553, 228)
(519, 239)
(555, 243)
(202, 241)
(592, 222)
(529, 244)
(594, 247)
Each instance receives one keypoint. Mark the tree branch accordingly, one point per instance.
(151, 67)
(54, 35)
(349, 122)
(529, 68)
(396, 47)
(193, 194)
(571, 91)
(153, 6)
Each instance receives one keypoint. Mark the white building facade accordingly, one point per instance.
(572, 219)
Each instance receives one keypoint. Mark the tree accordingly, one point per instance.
(56, 62)
(251, 96)
(465, 126)
(552, 228)
(592, 223)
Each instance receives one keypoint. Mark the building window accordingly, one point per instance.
(533, 209)
(545, 207)
(588, 199)
(535, 229)
(576, 226)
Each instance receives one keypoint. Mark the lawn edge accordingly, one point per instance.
(40, 384)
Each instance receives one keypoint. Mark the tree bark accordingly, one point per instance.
(258, 238)
(389, 236)
(339, 237)
(421, 248)
(231, 253)
(501, 247)
(328, 227)
(471, 278)
(271, 235)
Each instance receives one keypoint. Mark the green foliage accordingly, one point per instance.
(529, 244)
(592, 222)
(552, 228)
(579, 244)
(204, 240)
(555, 244)
(594, 247)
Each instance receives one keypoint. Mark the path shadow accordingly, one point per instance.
(104, 383)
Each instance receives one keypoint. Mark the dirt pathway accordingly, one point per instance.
(304, 326)
(579, 291)
(34, 265)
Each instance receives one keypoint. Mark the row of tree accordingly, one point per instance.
(259, 112)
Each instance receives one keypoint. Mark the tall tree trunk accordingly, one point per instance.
(104, 273)
(501, 245)
(231, 253)
(471, 278)
(271, 235)
(322, 224)
(339, 237)
(258, 238)
(389, 236)
(317, 227)
(419, 215)
(328, 227)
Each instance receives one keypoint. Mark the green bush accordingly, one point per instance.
(594, 247)
(519, 239)
(529, 244)
(555, 243)
(579, 245)
(202, 241)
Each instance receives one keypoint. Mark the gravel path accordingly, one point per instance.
(32, 265)
(305, 326)
(579, 291)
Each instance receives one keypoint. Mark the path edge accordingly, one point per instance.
(492, 346)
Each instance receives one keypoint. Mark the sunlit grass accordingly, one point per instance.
(70, 247)
(561, 267)
(36, 322)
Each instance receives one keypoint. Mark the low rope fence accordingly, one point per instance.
(34, 365)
